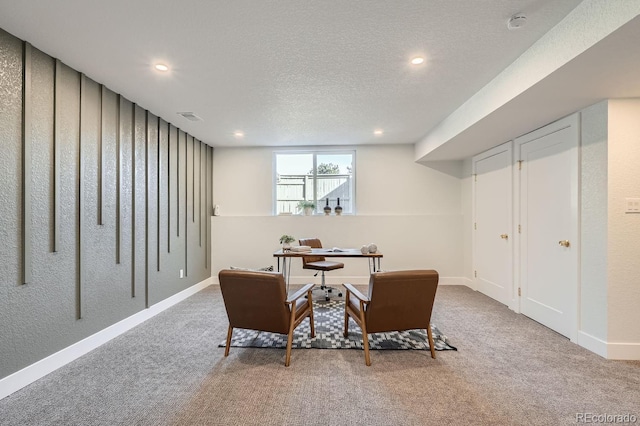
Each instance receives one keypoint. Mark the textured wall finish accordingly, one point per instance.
(83, 196)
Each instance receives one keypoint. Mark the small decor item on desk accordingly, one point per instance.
(372, 248)
(286, 241)
(306, 207)
(338, 208)
(300, 249)
(364, 249)
(327, 208)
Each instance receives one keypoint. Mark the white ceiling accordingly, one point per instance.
(289, 72)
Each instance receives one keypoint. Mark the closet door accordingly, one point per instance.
(548, 219)
(492, 234)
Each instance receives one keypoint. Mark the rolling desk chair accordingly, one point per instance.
(319, 264)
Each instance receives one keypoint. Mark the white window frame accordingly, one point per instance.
(315, 153)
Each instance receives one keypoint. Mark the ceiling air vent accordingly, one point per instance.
(190, 116)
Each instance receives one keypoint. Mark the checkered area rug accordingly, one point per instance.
(329, 321)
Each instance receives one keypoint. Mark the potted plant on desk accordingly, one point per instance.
(286, 241)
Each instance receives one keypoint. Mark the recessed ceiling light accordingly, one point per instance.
(238, 134)
(378, 132)
(417, 60)
(161, 67)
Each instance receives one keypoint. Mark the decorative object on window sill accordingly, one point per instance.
(286, 241)
(338, 208)
(372, 248)
(364, 249)
(327, 208)
(306, 207)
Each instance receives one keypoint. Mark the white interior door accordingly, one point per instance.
(549, 244)
(493, 254)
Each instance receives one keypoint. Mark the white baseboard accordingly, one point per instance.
(39, 369)
(623, 351)
(609, 350)
(456, 281)
(592, 343)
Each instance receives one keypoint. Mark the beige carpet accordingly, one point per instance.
(508, 370)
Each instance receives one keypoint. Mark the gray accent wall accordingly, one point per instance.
(101, 205)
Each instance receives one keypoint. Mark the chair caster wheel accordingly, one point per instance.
(326, 298)
(339, 294)
(329, 290)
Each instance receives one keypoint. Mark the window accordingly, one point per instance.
(316, 177)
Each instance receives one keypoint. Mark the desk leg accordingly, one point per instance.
(372, 265)
(286, 270)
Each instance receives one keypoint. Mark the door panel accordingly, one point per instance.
(548, 218)
(493, 258)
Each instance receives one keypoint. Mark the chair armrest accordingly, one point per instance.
(298, 294)
(355, 292)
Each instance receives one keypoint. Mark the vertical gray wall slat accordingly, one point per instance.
(178, 182)
(169, 187)
(208, 207)
(118, 178)
(206, 203)
(200, 215)
(26, 164)
(100, 165)
(56, 158)
(80, 213)
(203, 196)
(159, 180)
(133, 200)
(146, 209)
(193, 180)
(186, 203)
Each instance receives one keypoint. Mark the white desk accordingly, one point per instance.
(373, 258)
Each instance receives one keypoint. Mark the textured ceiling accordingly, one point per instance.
(288, 72)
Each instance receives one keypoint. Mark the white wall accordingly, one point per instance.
(593, 222)
(624, 229)
(413, 213)
(466, 184)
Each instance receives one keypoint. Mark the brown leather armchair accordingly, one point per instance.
(397, 301)
(258, 301)
(319, 263)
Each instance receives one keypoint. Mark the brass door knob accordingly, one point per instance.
(564, 243)
(504, 236)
